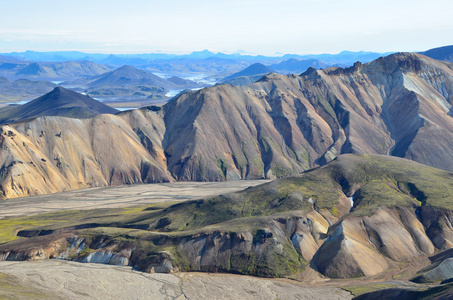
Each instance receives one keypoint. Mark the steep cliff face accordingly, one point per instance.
(397, 211)
(399, 105)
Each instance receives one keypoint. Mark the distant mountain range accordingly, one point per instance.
(124, 76)
(204, 62)
(130, 81)
(297, 66)
(23, 89)
(441, 53)
(397, 105)
(249, 75)
(39, 65)
(347, 57)
(58, 102)
(51, 70)
(254, 69)
(291, 66)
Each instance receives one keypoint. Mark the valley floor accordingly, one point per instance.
(119, 196)
(57, 279)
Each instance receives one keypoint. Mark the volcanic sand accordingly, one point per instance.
(119, 196)
(57, 279)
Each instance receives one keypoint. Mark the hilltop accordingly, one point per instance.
(58, 102)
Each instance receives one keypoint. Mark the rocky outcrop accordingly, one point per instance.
(436, 273)
(36, 248)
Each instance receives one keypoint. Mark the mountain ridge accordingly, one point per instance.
(278, 126)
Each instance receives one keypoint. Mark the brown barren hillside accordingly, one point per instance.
(396, 105)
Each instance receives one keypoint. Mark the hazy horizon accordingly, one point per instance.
(278, 54)
(256, 26)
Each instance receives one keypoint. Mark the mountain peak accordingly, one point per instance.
(129, 70)
(404, 61)
(58, 102)
(129, 76)
(126, 68)
(59, 89)
(253, 69)
(61, 92)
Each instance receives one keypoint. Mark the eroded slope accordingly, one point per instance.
(400, 210)
(398, 105)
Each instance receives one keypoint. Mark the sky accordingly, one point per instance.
(254, 26)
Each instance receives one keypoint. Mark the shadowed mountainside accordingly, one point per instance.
(442, 53)
(399, 105)
(276, 229)
(59, 102)
(294, 65)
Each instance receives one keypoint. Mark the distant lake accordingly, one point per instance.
(125, 108)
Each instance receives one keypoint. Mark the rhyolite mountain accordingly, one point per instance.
(359, 215)
(398, 105)
(58, 102)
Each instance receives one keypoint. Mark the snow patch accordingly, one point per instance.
(351, 200)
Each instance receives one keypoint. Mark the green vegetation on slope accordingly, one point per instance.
(375, 181)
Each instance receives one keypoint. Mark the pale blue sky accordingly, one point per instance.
(256, 26)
